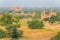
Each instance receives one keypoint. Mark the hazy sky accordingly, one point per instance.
(30, 3)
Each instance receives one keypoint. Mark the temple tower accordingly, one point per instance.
(52, 13)
(18, 9)
(33, 13)
(43, 15)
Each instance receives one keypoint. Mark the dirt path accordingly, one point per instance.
(38, 34)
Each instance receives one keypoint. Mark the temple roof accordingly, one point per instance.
(18, 8)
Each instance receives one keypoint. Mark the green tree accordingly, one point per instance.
(16, 19)
(58, 19)
(2, 34)
(46, 19)
(35, 24)
(6, 19)
(14, 33)
(52, 19)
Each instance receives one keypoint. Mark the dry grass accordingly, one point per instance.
(36, 34)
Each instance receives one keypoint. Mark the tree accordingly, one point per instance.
(46, 19)
(2, 34)
(14, 33)
(16, 19)
(58, 19)
(35, 24)
(52, 19)
(6, 19)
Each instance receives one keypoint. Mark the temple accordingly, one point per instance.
(19, 11)
(44, 15)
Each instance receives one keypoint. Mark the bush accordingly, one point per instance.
(2, 34)
(20, 33)
(57, 37)
(16, 34)
(13, 32)
(46, 19)
(58, 19)
(52, 19)
(6, 19)
(35, 24)
(16, 19)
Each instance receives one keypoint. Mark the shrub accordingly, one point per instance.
(58, 19)
(20, 33)
(35, 24)
(57, 37)
(6, 19)
(13, 32)
(52, 19)
(46, 19)
(16, 19)
(2, 34)
(16, 34)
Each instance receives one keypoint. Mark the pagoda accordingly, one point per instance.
(18, 9)
(43, 15)
(33, 13)
(52, 13)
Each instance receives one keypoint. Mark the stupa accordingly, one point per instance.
(52, 13)
(43, 15)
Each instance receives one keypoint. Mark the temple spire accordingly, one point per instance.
(33, 13)
(43, 15)
(52, 13)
